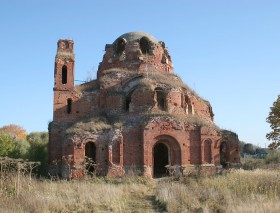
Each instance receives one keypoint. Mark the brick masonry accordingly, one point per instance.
(135, 104)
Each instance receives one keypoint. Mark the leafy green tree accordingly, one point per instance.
(21, 149)
(242, 144)
(38, 137)
(13, 141)
(13, 147)
(38, 150)
(6, 144)
(250, 148)
(274, 120)
(273, 157)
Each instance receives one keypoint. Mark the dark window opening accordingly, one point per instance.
(64, 74)
(161, 102)
(162, 44)
(127, 103)
(208, 151)
(211, 113)
(160, 152)
(160, 98)
(128, 100)
(190, 111)
(69, 106)
(188, 104)
(223, 155)
(90, 155)
(145, 45)
(120, 47)
(186, 99)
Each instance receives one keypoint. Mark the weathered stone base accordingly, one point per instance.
(115, 171)
(77, 173)
(134, 170)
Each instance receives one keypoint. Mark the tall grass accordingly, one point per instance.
(92, 124)
(236, 191)
(71, 196)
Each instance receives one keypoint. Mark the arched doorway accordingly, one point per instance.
(90, 154)
(161, 159)
(224, 155)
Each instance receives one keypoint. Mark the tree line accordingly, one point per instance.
(16, 143)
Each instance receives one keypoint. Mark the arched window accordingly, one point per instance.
(188, 104)
(69, 105)
(90, 154)
(224, 155)
(120, 46)
(64, 74)
(160, 95)
(144, 45)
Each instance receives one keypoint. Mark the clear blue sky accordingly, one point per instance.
(227, 51)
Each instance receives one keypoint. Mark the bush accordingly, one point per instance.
(38, 150)
(21, 148)
(13, 147)
(273, 157)
(34, 148)
(249, 149)
(252, 163)
(6, 144)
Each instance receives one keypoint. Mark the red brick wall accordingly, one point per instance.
(131, 144)
(133, 59)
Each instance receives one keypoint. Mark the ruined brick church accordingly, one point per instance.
(136, 116)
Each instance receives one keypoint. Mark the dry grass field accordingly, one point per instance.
(235, 191)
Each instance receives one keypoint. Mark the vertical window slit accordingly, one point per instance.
(69, 105)
(127, 103)
(64, 74)
(160, 96)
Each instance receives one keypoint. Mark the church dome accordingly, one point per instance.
(136, 36)
(136, 52)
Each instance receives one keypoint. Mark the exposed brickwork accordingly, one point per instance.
(135, 104)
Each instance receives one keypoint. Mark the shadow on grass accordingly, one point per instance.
(157, 205)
